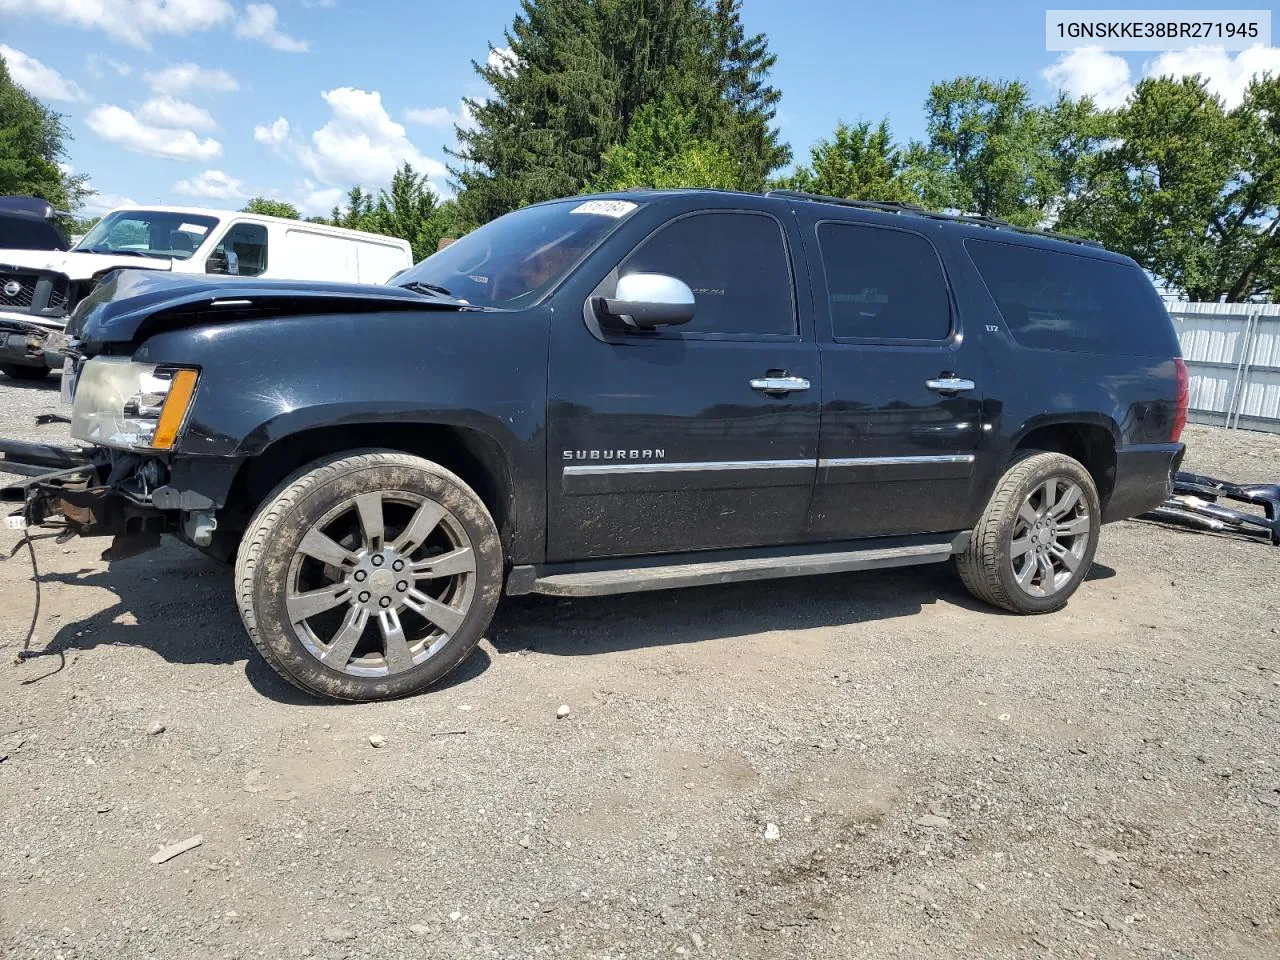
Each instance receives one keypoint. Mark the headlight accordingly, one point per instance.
(141, 406)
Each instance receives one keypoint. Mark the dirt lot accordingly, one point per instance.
(947, 781)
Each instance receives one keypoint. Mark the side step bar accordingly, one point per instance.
(730, 566)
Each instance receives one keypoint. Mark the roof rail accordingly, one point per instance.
(914, 209)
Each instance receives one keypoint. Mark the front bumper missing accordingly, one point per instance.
(69, 488)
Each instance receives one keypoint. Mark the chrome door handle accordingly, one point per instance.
(950, 384)
(779, 385)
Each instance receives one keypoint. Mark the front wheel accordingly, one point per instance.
(369, 575)
(1035, 541)
(22, 372)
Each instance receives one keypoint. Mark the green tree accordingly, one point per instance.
(579, 74)
(32, 144)
(663, 149)
(988, 151)
(859, 162)
(266, 207)
(407, 208)
(1189, 189)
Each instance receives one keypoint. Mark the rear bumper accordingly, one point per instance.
(1144, 478)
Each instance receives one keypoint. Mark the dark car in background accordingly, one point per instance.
(619, 393)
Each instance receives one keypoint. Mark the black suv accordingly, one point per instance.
(619, 393)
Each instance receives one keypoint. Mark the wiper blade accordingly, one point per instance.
(419, 286)
(125, 253)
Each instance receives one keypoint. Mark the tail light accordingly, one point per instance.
(1184, 398)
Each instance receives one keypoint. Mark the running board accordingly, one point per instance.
(701, 569)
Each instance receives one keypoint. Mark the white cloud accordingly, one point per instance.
(181, 77)
(98, 65)
(171, 113)
(260, 23)
(273, 134)
(213, 184)
(1091, 72)
(131, 21)
(1224, 75)
(1106, 77)
(504, 60)
(319, 202)
(40, 81)
(359, 144)
(431, 116)
(101, 202)
(119, 126)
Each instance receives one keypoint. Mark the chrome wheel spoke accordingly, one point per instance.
(1067, 503)
(1020, 546)
(344, 641)
(462, 560)
(447, 618)
(1027, 572)
(326, 549)
(308, 604)
(369, 506)
(1048, 575)
(420, 527)
(394, 645)
(1077, 526)
(1065, 556)
(1048, 496)
(1028, 515)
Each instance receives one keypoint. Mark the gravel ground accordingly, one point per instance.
(942, 780)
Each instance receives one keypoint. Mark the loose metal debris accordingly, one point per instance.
(1195, 502)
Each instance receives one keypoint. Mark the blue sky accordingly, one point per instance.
(211, 101)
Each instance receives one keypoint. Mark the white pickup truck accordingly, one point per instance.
(39, 288)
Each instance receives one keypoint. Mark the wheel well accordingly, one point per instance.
(472, 455)
(1088, 443)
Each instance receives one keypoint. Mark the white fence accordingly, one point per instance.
(1233, 358)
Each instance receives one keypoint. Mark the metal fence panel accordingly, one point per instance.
(1233, 362)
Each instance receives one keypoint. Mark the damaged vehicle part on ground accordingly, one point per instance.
(619, 393)
(1194, 503)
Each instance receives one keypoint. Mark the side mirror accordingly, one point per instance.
(647, 300)
(217, 264)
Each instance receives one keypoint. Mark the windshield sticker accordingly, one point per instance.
(606, 208)
(193, 228)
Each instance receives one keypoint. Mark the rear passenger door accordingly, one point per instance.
(902, 385)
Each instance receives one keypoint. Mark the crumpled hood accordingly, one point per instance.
(135, 304)
(80, 266)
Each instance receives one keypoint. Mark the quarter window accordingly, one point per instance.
(241, 252)
(883, 284)
(735, 264)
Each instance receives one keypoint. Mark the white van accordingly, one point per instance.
(38, 288)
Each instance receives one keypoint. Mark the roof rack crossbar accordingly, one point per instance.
(915, 209)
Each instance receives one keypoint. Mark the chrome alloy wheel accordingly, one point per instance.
(1050, 537)
(380, 583)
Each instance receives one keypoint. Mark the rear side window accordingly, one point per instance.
(735, 264)
(1058, 301)
(883, 284)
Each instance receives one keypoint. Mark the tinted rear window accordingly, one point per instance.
(26, 233)
(1059, 301)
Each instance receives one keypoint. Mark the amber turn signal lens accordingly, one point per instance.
(176, 404)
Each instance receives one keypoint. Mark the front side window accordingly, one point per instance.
(883, 284)
(735, 264)
(512, 261)
(148, 233)
(241, 252)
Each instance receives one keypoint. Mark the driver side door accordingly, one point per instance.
(668, 440)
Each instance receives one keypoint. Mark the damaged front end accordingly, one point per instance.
(90, 492)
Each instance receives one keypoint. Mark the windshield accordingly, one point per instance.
(512, 261)
(148, 233)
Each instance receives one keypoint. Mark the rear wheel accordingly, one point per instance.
(1036, 540)
(369, 575)
(20, 372)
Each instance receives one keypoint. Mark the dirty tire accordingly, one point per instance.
(273, 535)
(20, 372)
(986, 567)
